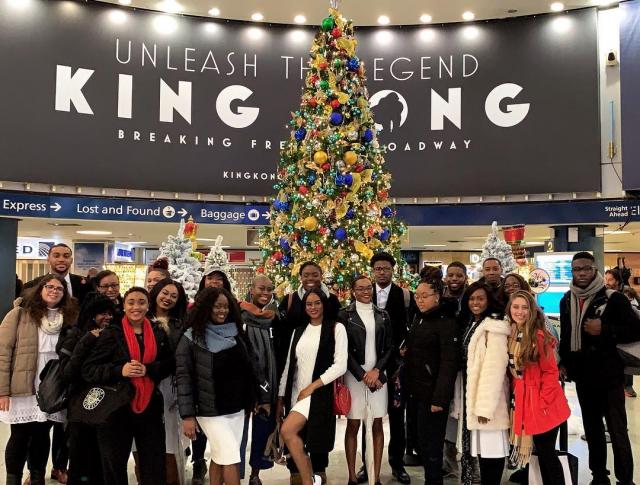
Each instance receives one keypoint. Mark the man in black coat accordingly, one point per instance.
(60, 259)
(593, 321)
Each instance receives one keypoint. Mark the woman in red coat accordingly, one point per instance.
(539, 404)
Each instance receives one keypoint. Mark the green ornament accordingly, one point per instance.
(337, 63)
(356, 112)
(291, 169)
(324, 84)
(327, 23)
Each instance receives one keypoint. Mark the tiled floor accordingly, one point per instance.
(337, 471)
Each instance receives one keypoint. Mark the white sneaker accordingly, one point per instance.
(317, 480)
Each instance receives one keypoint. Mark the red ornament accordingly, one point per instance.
(326, 166)
(335, 104)
(344, 193)
(383, 194)
(277, 256)
(359, 168)
(314, 79)
(323, 65)
(332, 44)
(319, 249)
(323, 230)
(260, 269)
(335, 33)
(303, 189)
(370, 232)
(313, 102)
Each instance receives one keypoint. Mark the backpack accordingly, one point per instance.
(629, 352)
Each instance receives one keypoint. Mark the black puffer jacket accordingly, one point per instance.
(73, 348)
(432, 357)
(214, 384)
(110, 354)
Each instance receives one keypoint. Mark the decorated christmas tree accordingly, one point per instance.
(332, 204)
(494, 247)
(217, 259)
(183, 266)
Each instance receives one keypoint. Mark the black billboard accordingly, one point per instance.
(102, 96)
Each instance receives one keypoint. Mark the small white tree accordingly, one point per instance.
(183, 267)
(494, 247)
(217, 259)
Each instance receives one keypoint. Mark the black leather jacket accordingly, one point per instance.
(357, 335)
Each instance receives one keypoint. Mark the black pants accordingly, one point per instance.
(550, 466)
(491, 470)
(431, 429)
(397, 435)
(198, 446)
(85, 467)
(598, 400)
(117, 435)
(628, 380)
(59, 449)
(413, 441)
(28, 440)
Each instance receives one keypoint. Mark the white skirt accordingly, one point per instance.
(490, 443)
(225, 435)
(360, 393)
(303, 407)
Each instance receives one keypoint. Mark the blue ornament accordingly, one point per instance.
(387, 212)
(367, 136)
(353, 64)
(286, 260)
(336, 118)
(348, 180)
(300, 134)
(311, 178)
(304, 240)
(350, 213)
(284, 244)
(340, 180)
(384, 235)
(340, 234)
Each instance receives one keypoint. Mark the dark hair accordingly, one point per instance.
(309, 263)
(325, 305)
(37, 308)
(491, 258)
(382, 256)
(102, 274)
(180, 309)
(358, 278)
(433, 277)
(161, 265)
(630, 291)
(19, 286)
(135, 289)
(458, 264)
(493, 306)
(94, 304)
(583, 255)
(616, 275)
(200, 313)
(59, 245)
(524, 284)
(226, 284)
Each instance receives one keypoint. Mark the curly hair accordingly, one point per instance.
(530, 353)
(524, 284)
(37, 308)
(94, 304)
(493, 307)
(180, 308)
(433, 277)
(200, 313)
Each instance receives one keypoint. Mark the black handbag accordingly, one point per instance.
(96, 403)
(52, 393)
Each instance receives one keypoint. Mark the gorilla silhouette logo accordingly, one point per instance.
(391, 109)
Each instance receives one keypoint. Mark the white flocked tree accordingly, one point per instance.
(218, 259)
(183, 267)
(494, 247)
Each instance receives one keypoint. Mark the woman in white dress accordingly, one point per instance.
(28, 338)
(370, 348)
(317, 357)
(485, 355)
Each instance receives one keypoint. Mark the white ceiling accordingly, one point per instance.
(456, 238)
(366, 12)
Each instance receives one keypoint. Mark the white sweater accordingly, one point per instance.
(487, 379)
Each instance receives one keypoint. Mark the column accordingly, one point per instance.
(565, 239)
(8, 241)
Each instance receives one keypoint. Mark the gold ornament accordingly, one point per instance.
(320, 157)
(350, 158)
(310, 223)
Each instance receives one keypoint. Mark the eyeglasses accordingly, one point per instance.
(53, 288)
(515, 286)
(363, 289)
(112, 285)
(581, 269)
(383, 269)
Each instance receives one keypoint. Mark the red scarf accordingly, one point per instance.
(143, 385)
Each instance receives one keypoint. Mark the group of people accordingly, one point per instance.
(460, 370)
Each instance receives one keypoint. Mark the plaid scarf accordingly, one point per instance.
(522, 443)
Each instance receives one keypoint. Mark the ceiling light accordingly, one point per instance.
(604, 3)
(435, 245)
(124, 2)
(534, 243)
(557, 7)
(425, 18)
(214, 12)
(300, 19)
(607, 231)
(468, 15)
(170, 6)
(383, 20)
(165, 24)
(94, 233)
(257, 17)
(133, 243)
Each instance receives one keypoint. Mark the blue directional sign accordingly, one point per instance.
(21, 204)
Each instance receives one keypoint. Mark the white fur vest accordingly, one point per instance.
(487, 392)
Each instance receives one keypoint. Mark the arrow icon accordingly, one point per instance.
(56, 207)
(266, 215)
(182, 212)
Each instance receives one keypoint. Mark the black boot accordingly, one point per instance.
(37, 477)
(14, 479)
(199, 472)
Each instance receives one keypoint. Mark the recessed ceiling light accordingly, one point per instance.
(425, 18)
(299, 19)
(257, 17)
(557, 7)
(468, 15)
(133, 243)
(214, 12)
(170, 6)
(94, 233)
(124, 2)
(383, 20)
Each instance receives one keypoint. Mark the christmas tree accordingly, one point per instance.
(218, 260)
(332, 204)
(494, 247)
(183, 267)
